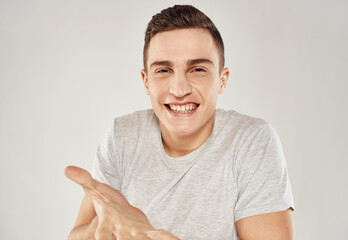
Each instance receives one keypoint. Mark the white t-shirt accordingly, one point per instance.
(239, 171)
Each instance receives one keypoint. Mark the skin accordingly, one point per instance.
(182, 67)
(271, 226)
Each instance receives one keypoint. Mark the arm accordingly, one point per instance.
(270, 226)
(265, 203)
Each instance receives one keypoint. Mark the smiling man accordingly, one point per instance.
(184, 170)
(183, 77)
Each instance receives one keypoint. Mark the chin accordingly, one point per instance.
(182, 130)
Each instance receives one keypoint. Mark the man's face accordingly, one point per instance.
(183, 80)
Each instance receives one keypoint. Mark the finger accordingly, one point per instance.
(85, 180)
(104, 230)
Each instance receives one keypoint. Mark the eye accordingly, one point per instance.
(163, 70)
(198, 69)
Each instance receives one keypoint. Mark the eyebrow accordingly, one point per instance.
(188, 63)
(161, 63)
(197, 61)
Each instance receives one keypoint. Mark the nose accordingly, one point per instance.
(180, 86)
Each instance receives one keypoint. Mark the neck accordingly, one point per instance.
(176, 145)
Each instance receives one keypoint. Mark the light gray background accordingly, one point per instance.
(68, 67)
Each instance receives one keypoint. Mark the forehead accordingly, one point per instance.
(179, 46)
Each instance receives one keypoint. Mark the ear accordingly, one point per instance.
(223, 80)
(145, 81)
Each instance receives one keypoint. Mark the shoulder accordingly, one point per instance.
(248, 137)
(128, 125)
(128, 129)
(136, 117)
(119, 142)
(240, 125)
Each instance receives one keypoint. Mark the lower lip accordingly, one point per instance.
(177, 114)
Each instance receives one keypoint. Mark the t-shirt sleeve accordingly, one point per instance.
(105, 164)
(262, 176)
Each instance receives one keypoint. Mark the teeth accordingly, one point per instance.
(183, 108)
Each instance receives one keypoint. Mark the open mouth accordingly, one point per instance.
(184, 108)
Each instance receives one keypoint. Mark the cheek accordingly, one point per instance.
(157, 90)
(208, 91)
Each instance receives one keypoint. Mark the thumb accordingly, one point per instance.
(79, 176)
(85, 180)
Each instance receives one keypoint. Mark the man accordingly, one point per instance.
(185, 170)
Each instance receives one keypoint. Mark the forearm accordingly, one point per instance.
(85, 231)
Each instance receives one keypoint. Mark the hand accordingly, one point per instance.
(161, 235)
(116, 217)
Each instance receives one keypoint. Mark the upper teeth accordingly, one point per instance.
(183, 108)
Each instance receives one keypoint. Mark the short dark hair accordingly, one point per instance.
(182, 17)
